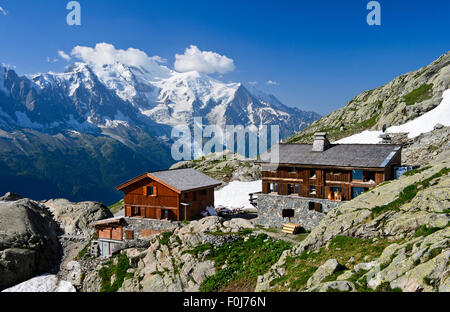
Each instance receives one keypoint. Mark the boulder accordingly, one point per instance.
(28, 241)
(75, 218)
(10, 197)
(325, 270)
(340, 286)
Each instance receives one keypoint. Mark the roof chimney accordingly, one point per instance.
(386, 139)
(321, 142)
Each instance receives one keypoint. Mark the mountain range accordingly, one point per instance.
(79, 133)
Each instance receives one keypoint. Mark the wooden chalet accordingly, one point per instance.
(337, 172)
(174, 195)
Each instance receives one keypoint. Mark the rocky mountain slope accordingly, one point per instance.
(101, 125)
(403, 99)
(206, 255)
(394, 237)
(225, 166)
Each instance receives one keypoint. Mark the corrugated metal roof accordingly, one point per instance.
(185, 179)
(343, 155)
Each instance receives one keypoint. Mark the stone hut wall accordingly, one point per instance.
(271, 206)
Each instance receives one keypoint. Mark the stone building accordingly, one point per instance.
(302, 182)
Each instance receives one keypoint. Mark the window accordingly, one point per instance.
(194, 195)
(335, 193)
(312, 174)
(311, 206)
(318, 207)
(290, 189)
(296, 189)
(356, 191)
(313, 190)
(357, 175)
(273, 188)
(369, 176)
(151, 190)
(203, 192)
(288, 213)
(135, 211)
(293, 170)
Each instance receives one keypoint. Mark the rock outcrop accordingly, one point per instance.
(75, 218)
(28, 241)
(225, 166)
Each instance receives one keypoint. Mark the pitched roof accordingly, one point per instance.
(180, 180)
(342, 155)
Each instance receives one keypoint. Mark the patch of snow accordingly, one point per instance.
(236, 194)
(414, 128)
(43, 283)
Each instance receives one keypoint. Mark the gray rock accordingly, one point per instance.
(77, 217)
(325, 270)
(28, 241)
(10, 197)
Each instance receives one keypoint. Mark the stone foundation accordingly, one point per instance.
(270, 210)
(146, 227)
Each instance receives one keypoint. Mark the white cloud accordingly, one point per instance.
(203, 61)
(52, 60)
(3, 11)
(253, 83)
(274, 83)
(105, 53)
(63, 55)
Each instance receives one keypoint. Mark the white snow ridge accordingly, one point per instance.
(414, 128)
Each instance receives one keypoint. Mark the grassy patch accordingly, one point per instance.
(244, 261)
(85, 249)
(418, 95)
(164, 238)
(415, 171)
(341, 248)
(119, 271)
(407, 194)
(425, 231)
(115, 208)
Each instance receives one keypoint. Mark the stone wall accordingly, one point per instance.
(143, 227)
(270, 210)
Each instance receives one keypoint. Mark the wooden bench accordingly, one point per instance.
(291, 228)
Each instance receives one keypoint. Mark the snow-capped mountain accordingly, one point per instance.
(117, 92)
(112, 115)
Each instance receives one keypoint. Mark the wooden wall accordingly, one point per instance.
(325, 179)
(166, 199)
(198, 203)
(114, 233)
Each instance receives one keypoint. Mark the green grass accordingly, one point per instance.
(341, 248)
(164, 238)
(418, 95)
(115, 208)
(407, 194)
(245, 261)
(416, 171)
(119, 271)
(425, 231)
(85, 249)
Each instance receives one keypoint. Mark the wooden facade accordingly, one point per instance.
(149, 197)
(319, 182)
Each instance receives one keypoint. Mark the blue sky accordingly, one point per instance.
(321, 53)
